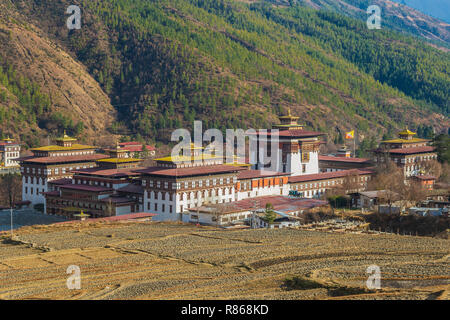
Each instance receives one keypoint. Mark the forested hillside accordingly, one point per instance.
(395, 16)
(235, 64)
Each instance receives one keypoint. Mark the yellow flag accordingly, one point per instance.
(350, 135)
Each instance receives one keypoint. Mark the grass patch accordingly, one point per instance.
(347, 291)
(299, 283)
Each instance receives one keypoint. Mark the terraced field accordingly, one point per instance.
(174, 261)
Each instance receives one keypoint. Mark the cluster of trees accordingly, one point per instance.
(35, 106)
(15, 90)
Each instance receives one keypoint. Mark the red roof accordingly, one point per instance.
(115, 173)
(297, 133)
(343, 159)
(132, 188)
(61, 181)
(64, 159)
(193, 171)
(252, 174)
(134, 147)
(51, 193)
(83, 187)
(329, 175)
(280, 203)
(130, 143)
(8, 144)
(412, 150)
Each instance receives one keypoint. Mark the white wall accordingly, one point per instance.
(35, 184)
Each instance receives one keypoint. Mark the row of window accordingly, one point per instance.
(188, 184)
(12, 155)
(65, 154)
(93, 183)
(56, 171)
(77, 204)
(193, 195)
(38, 191)
(327, 183)
(163, 207)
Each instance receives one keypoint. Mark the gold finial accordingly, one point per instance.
(289, 112)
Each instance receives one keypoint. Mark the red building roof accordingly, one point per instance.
(329, 175)
(64, 159)
(114, 173)
(414, 150)
(134, 146)
(253, 174)
(132, 188)
(63, 181)
(343, 159)
(279, 203)
(192, 171)
(83, 187)
(297, 133)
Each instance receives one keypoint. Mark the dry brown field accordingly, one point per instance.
(150, 260)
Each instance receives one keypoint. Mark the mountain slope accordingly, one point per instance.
(394, 16)
(232, 64)
(70, 98)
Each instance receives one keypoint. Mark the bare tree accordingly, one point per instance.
(351, 183)
(415, 192)
(431, 167)
(109, 208)
(10, 189)
(390, 180)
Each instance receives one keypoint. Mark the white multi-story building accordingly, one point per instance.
(10, 153)
(298, 149)
(51, 163)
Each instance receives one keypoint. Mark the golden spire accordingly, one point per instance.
(289, 111)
